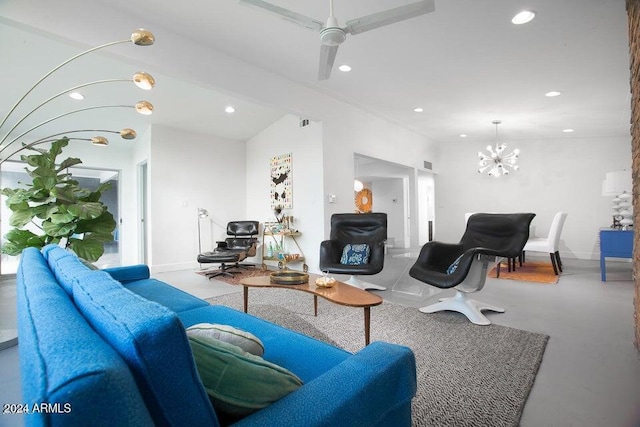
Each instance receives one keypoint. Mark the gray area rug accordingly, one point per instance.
(468, 375)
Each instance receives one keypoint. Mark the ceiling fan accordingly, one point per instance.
(332, 35)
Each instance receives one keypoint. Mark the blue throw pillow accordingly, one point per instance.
(355, 254)
(454, 265)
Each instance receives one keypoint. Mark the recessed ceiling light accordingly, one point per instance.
(344, 68)
(553, 93)
(76, 95)
(523, 17)
(569, 130)
(229, 109)
(418, 110)
(463, 135)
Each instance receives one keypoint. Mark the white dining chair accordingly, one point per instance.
(550, 243)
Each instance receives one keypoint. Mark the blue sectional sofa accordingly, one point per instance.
(109, 348)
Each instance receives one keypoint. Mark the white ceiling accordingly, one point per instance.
(465, 65)
(178, 104)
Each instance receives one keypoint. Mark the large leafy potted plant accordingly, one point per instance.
(59, 209)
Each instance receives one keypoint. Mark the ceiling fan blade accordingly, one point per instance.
(289, 15)
(327, 58)
(391, 16)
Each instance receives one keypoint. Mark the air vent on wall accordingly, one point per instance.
(304, 122)
(428, 165)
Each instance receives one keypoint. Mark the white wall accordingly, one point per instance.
(187, 171)
(350, 131)
(305, 146)
(555, 175)
(388, 197)
(332, 142)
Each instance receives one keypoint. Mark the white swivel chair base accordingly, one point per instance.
(462, 304)
(357, 283)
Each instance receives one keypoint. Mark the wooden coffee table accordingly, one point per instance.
(340, 293)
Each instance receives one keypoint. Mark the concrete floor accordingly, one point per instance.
(590, 374)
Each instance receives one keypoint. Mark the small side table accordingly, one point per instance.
(614, 244)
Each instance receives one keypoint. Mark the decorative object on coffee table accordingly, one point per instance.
(289, 277)
(325, 281)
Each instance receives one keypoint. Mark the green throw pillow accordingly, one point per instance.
(238, 382)
(243, 339)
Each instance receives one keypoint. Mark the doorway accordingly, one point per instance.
(143, 227)
(405, 194)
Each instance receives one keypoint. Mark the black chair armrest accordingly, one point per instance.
(439, 255)
(330, 252)
(437, 276)
(376, 257)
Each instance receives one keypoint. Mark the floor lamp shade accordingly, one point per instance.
(202, 214)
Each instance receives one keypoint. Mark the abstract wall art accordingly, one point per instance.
(281, 183)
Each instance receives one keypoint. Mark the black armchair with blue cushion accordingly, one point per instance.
(355, 247)
(464, 265)
(242, 242)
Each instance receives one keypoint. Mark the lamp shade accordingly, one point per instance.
(616, 183)
(144, 107)
(144, 80)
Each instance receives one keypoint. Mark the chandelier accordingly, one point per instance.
(496, 162)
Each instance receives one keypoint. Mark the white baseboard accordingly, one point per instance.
(174, 267)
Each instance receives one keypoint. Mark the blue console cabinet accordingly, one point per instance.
(614, 244)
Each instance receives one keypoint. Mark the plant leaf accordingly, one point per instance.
(58, 229)
(64, 196)
(57, 146)
(18, 240)
(104, 224)
(36, 160)
(89, 249)
(87, 210)
(67, 163)
(62, 218)
(20, 218)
